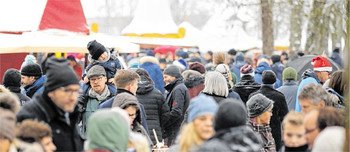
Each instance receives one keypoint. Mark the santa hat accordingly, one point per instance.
(321, 64)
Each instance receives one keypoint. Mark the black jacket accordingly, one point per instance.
(241, 138)
(156, 108)
(217, 98)
(279, 110)
(245, 87)
(17, 91)
(66, 137)
(178, 100)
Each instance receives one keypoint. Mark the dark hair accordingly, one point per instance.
(330, 116)
(337, 82)
(232, 52)
(144, 75)
(210, 53)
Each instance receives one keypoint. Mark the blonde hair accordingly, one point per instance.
(219, 58)
(139, 142)
(188, 137)
(294, 118)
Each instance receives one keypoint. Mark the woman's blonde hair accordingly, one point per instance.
(219, 58)
(188, 137)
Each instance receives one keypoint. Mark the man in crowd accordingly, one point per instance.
(319, 75)
(56, 106)
(32, 79)
(178, 100)
(312, 96)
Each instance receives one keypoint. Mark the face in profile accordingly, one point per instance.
(168, 79)
(103, 56)
(265, 117)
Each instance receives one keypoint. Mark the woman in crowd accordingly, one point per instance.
(200, 124)
(215, 85)
(259, 112)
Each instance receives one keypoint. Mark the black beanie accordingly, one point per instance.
(12, 77)
(31, 69)
(275, 58)
(59, 74)
(95, 49)
(172, 70)
(231, 113)
(268, 77)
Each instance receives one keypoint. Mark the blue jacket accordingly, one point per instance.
(258, 74)
(156, 75)
(308, 77)
(278, 69)
(109, 103)
(337, 59)
(238, 65)
(35, 88)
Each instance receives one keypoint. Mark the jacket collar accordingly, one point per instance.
(173, 84)
(123, 90)
(289, 82)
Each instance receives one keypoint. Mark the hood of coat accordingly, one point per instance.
(124, 100)
(262, 67)
(310, 73)
(144, 86)
(194, 81)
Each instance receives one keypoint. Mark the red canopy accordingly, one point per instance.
(64, 15)
(164, 49)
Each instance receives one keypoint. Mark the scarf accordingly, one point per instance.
(100, 97)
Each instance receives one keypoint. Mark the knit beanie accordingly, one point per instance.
(239, 57)
(246, 69)
(172, 70)
(201, 105)
(224, 70)
(12, 77)
(268, 77)
(59, 74)
(275, 58)
(181, 63)
(8, 121)
(257, 105)
(96, 70)
(321, 64)
(231, 113)
(31, 69)
(95, 49)
(194, 59)
(232, 52)
(197, 67)
(108, 130)
(289, 74)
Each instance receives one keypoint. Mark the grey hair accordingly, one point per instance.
(315, 93)
(215, 83)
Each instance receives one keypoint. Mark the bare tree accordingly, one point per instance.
(267, 26)
(296, 24)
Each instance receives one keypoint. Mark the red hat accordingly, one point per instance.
(321, 64)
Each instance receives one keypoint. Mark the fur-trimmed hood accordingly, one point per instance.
(193, 81)
(149, 59)
(112, 54)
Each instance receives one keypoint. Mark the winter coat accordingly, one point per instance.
(110, 65)
(217, 98)
(234, 95)
(307, 78)
(337, 59)
(240, 139)
(109, 103)
(65, 136)
(17, 91)
(289, 90)
(178, 100)
(237, 69)
(258, 74)
(278, 68)
(264, 131)
(279, 110)
(245, 87)
(154, 72)
(89, 105)
(195, 85)
(35, 88)
(155, 107)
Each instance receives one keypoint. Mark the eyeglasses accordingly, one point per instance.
(307, 131)
(70, 91)
(98, 79)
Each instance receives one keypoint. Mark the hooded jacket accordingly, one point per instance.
(124, 100)
(308, 77)
(278, 69)
(279, 110)
(65, 136)
(245, 87)
(195, 85)
(155, 107)
(102, 133)
(258, 74)
(238, 65)
(154, 72)
(35, 88)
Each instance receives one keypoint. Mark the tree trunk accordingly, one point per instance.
(267, 26)
(296, 19)
(322, 45)
(347, 76)
(313, 27)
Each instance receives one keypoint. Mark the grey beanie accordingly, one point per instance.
(96, 70)
(257, 105)
(172, 70)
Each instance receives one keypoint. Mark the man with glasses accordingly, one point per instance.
(96, 93)
(56, 106)
(319, 75)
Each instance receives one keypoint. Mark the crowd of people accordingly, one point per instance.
(172, 101)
